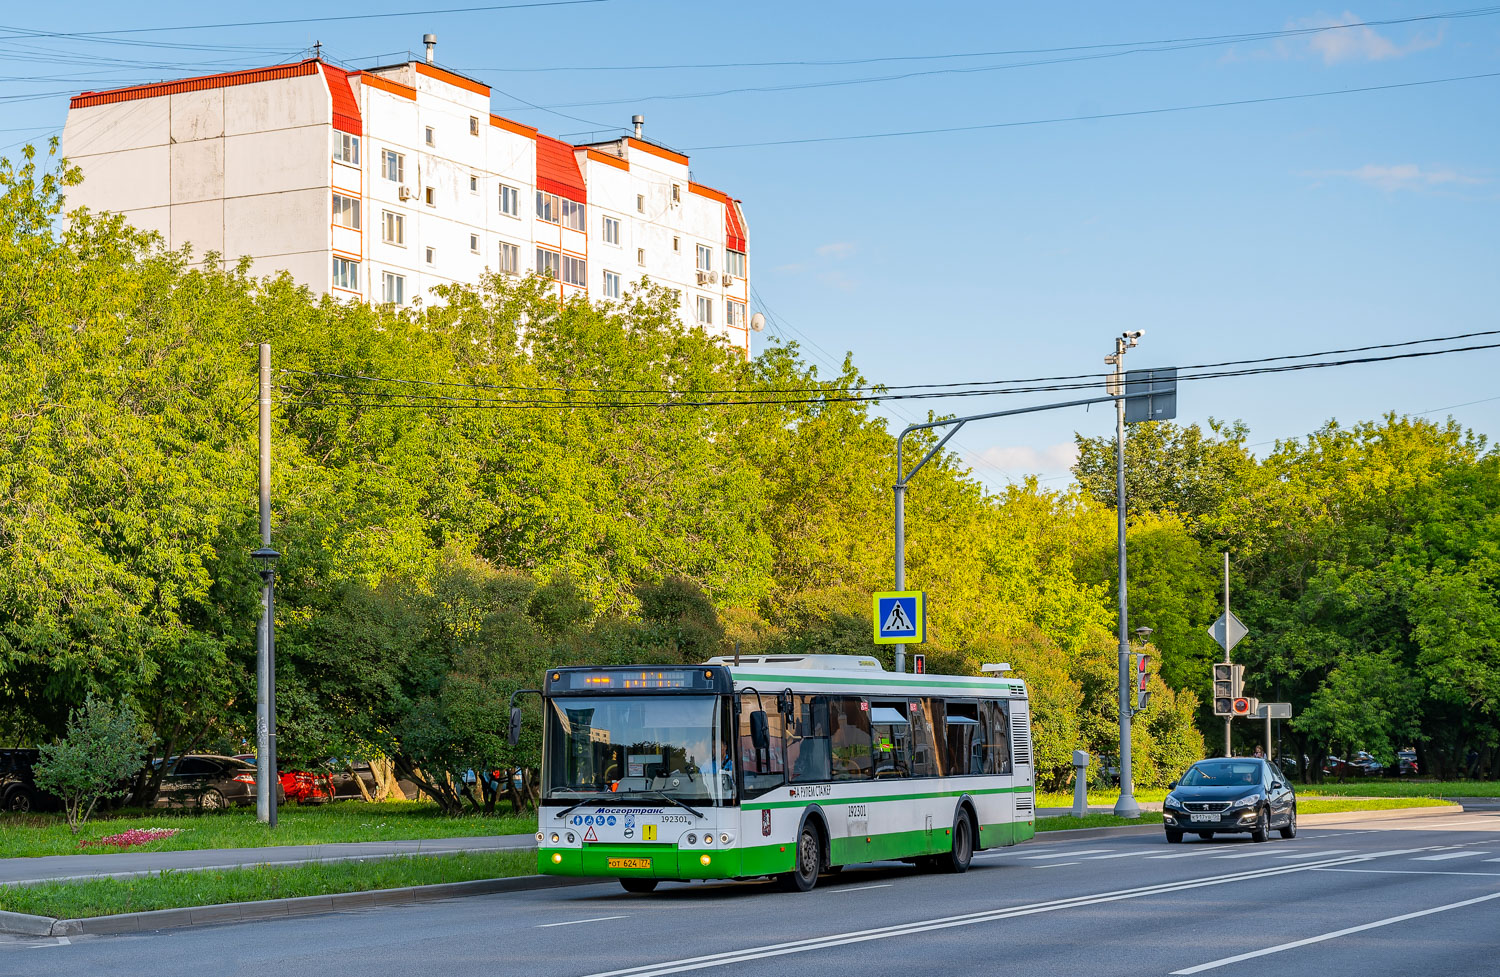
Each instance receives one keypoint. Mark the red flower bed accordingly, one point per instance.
(135, 836)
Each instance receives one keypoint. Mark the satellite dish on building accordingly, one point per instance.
(758, 322)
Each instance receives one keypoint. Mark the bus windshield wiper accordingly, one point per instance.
(670, 800)
(596, 799)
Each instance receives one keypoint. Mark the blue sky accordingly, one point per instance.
(1019, 251)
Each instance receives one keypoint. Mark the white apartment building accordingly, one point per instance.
(381, 184)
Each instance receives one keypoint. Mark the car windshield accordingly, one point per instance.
(670, 744)
(1222, 773)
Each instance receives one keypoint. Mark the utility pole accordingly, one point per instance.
(1228, 720)
(266, 780)
(1126, 806)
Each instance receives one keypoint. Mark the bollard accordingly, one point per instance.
(1080, 784)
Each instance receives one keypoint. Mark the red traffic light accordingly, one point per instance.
(1241, 707)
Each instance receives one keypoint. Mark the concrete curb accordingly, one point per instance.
(234, 912)
(1337, 817)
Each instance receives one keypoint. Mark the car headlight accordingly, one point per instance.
(1172, 802)
(1244, 802)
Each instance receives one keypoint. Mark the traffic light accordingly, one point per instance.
(1229, 681)
(1243, 706)
(1141, 695)
(919, 664)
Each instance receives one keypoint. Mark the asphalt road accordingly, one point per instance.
(1412, 897)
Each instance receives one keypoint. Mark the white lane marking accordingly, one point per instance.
(1447, 855)
(861, 888)
(1188, 854)
(575, 922)
(1212, 964)
(985, 916)
(1315, 854)
(1066, 854)
(1053, 865)
(1408, 871)
(1250, 854)
(1121, 854)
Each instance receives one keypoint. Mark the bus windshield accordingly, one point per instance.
(671, 744)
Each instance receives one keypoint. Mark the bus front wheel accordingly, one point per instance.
(638, 886)
(804, 873)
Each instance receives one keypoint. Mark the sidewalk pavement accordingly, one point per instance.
(42, 868)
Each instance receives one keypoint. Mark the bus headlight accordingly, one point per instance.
(692, 839)
(571, 837)
(554, 837)
(724, 839)
(540, 836)
(708, 839)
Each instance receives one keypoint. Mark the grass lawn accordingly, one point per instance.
(1381, 787)
(48, 834)
(1313, 804)
(171, 890)
(1094, 821)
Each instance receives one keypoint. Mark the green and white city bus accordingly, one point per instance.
(786, 766)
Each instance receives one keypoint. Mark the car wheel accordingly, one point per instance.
(211, 800)
(1290, 831)
(21, 801)
(1174, 837)
(962, 854)
(804, 873)
(638, 886)
(1262, 827)
(1206, 835)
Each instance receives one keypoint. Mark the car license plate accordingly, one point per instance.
(1203, 817)
(628, 863)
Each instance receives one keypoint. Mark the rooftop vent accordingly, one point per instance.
(431, 41)
(639, 121)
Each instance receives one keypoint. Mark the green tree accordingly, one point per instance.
(100, 749)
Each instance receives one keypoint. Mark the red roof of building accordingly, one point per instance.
(345, 107)
(735, 234)
(201, 83)
(557, 169)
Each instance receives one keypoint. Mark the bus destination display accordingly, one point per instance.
(625, 680)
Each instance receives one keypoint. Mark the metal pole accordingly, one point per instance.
(900, 552)
(1126, 806)
(1228, 720)
(265, 766)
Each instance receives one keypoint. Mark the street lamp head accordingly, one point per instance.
(1143, 633)
(267, 558)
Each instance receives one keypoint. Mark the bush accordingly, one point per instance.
(100, 750)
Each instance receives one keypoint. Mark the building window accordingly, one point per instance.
(430, 137)
(432, 256)
(736, 313)
(430, 195)
(611, 284)
(734, 263)
(473, 183)
(346, 211)
(474, 243)
(676, 243)
(393, 288)
(392, 165)
(575, 271)
(548, 208)
(346, 148)
(346, 274)
(611, 231)
(705, 310)
(572, 215)
(510, 201)
(473, 125)
(676, 193)
(640, 256)
(705, 258)
(640, 203)
(394, 229)
(548, 263)
(510, 258)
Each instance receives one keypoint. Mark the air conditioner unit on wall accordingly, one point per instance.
(404, 193)
(703, 278)
(728, 280)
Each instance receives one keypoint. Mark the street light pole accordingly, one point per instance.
(1126, 806)
(266, 780)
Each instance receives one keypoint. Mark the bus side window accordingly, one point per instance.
(994, 723)
(892, 734)
(926, 761)
(850, 738)
(961, 724)
(765, 769)
(808, 748)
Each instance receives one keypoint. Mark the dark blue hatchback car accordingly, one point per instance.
(1228, 795)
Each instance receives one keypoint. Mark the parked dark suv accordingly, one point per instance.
(18, 791)
(1228, 795)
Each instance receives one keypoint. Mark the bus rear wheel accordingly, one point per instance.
(804, 873)
(962, 854)
(638, 886)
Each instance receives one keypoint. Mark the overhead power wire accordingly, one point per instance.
(1265, 99)
(576, 388)
(479, 403)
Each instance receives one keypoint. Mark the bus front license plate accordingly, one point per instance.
(629, 863)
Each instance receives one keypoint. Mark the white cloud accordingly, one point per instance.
(1407, 176)
(1028, 460)
(1358, 43)
(836, 249)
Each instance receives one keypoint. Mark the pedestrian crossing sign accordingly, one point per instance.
(900, 617)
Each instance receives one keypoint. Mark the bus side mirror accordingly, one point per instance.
(514, 734)
(760, 730)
